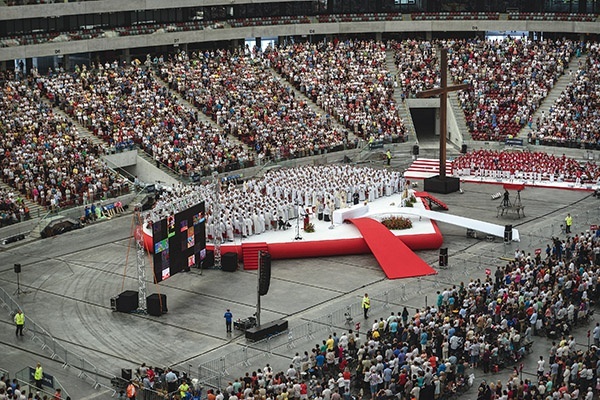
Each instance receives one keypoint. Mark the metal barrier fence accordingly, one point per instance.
(214, 372)
(86, 370)
(24, 380)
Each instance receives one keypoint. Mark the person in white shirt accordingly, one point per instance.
(541, 364)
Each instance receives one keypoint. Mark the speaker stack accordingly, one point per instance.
(209, 260)
(508, 233)
(443, 259)
(264, 278)
(463, 149)
(415, 150)
(128, 301)
(126, 374)
(229, 262)
(156, 304)
(18, 268)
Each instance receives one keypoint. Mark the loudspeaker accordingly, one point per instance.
(269, 329)
(229, 262)
(415, 150)
(463, 149)
(128, 301)
(209, 260)
(18, 268)
(443, 258)
(126, 374)
(508, 233)
(264, 278)
(156, 304)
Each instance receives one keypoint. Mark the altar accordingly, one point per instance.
(358, 210)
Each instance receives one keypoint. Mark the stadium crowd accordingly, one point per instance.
(572, 119)
(12, 208)
(510, 78)
(527, 165)
(127, 103)
(244, 97)
(434, 352)
(43, 156)
(349, 80)
(416, 61)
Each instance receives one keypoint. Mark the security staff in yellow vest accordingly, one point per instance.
(388, 155)
(19, 322)
(568, 223)
(38, 376)
(366, 304)
(183, 390)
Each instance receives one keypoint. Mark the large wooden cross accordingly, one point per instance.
(443, 91)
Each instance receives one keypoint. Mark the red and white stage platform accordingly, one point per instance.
(362, 233)
(427, 167)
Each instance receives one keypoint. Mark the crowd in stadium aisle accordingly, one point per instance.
(484, 325)
(349, 80)
(249, 101)
(124, 104)
(44, 157)
(573, 118)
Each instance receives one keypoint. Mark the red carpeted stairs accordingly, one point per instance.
(394, 257)
(250, 253)
(432, 200)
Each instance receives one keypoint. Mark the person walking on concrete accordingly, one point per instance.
(568, 223)
(19, 322)
(38, 376)
(366, 304)
(228, 319)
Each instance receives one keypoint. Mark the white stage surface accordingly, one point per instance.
(378, 209)
(476, 225)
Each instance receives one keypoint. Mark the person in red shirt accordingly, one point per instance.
(150, 374)
(433, 362)
(303, 391)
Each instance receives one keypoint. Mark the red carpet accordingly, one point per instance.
(394, 257)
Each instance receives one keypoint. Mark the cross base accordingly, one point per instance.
(445, 185)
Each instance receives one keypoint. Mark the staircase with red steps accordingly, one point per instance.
(250, 254)
(432, 200)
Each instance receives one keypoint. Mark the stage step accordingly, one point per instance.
(250, 253)
(426, 168)
(432, 200)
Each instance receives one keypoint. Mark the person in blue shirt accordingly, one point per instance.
(228, 319)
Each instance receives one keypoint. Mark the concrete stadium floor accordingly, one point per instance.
(71, 278)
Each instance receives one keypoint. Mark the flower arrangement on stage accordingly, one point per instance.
(310, 228)
(397, 223)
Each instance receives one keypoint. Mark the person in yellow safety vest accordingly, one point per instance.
(38, 376)
(388, 154)
(366, 304)
(568, 223)
(19, 322)
(131, 391)
(183, 390)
